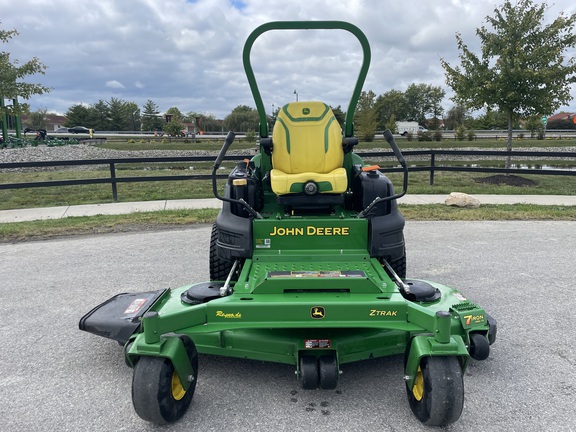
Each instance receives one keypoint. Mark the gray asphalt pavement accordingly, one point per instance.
(57, 378)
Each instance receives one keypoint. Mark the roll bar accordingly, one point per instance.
(307, 25)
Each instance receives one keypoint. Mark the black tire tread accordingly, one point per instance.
(479, 346)
(328, 372)
(443, 398)
(219, 268)
(151, 387)
(309, 376)
(399, 266)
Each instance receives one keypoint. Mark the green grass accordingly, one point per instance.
(100, 193)
(178, 219)
(483, 143)
(437, 212)
(445, 182)
(172, 144)
(167, 219)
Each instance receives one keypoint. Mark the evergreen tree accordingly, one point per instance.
(151, 119)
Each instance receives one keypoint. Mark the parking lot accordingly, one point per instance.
(55, 377)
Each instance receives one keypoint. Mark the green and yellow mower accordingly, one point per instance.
(307, 268)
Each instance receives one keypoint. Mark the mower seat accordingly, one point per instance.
(307, 153)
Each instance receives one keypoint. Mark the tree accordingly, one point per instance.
(211, 123)
(133, 117)
(242, 119)
(423, 100)
(455, 117)
(174, 127)
(365, 121)
(99, 118)
(521, 70)
(117, 114)
(78, 115)
(534, 125)
(122, 115)
(391, 103)
(435, 95)
(204, 122)
(176, 114)
(339, 114)
(12, 85)
(494, 119)
(37, 119)
(151, 119)
(391, 124)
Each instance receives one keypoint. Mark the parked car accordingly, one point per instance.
(61, 130)
(78, 129)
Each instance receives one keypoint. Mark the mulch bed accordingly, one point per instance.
(510, 180)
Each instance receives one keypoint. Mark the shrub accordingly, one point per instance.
(424, 136)
(251, 136)
(438, 135)
(460, 133)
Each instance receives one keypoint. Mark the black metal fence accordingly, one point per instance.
(434, 166)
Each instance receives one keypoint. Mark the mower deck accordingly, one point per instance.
(250, 325)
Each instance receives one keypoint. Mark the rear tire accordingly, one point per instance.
(399, 266)
(219, 268)
(437, 396)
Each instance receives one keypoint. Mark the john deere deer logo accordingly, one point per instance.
(317, 312)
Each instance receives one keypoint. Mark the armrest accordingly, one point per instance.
(348, 144)
(266, 144)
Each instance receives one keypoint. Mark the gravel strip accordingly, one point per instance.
(43, 153)
(87, 151)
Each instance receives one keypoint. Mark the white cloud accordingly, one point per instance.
(189, 54)
(114, 84)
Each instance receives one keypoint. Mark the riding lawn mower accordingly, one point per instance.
(307, 268)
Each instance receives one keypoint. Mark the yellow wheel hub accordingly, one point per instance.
(178, 391)
(418, 388)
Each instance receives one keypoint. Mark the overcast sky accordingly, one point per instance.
(188, 54)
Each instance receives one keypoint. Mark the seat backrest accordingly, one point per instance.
(307, 138)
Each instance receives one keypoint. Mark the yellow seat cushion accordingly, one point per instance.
(335, 181)
(307, 147)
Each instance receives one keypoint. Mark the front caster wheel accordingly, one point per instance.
(328, 372)
(308, 377)
(479, 346)
(437, 397)
(157, 392)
